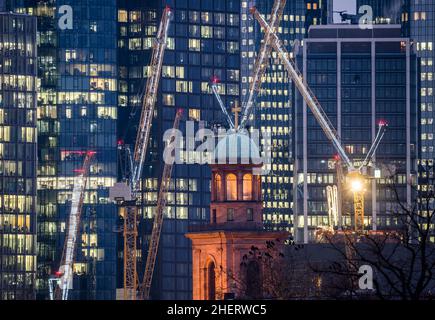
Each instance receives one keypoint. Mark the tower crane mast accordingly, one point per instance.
(149, 100)
(144, 290)
(63, 281)
(130, 193)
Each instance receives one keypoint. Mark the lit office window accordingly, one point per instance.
(122, 16)
(194, 114)
(206, 32)
(194, 45)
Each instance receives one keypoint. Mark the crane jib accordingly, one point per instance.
(306, 93)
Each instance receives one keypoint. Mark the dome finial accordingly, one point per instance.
(236, 109)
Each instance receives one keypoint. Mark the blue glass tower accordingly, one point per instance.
(274, 105)
(77, 111)
(203, 42)
(17, 156)
(357, 83)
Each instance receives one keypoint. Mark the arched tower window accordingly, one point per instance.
(211, 281)
(247, 187)
(218, 186)
(231, 187)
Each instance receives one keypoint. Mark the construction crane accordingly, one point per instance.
(332, 198)
(62, 281)
(149, 100)
(305, 91)
(128, 194)
(357, 178)
(357, 175)
(356, 182)
(261, 63)
(144, 290)
(214, 81)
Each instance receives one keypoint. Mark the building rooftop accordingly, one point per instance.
(355, 31)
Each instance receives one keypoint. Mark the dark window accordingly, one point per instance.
(211, 281)
(250, 214)
(230, 214)
(214, 216)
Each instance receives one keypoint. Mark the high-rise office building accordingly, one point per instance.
(77, 111)
(359, 77)
(203, 42)
(421, 28)
(206, 38)
(417, 19)
(273, 110)
(17, 156)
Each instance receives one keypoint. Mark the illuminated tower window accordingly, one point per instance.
(247, 187)
(231, 187)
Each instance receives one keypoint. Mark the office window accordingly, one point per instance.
(194, 45)
(168, 100)
(206, 32)
(68, 113)
(206, 17)
(122, 16)
(194, 114)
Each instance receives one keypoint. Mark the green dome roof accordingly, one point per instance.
(237, 148)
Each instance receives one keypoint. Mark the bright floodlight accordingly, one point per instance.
(356, 185)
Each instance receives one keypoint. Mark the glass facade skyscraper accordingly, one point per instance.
(206, 38)
(203, 42)
(274, 106)
(421, 20)
(417, 19)
(359, 77)
(91, 81)
(77, 111)
(17, 156)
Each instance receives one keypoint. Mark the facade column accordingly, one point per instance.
(224, 187)
(254, 188)
(305, 148)
(239, 186)
(339, 129)
(213, 187)
(408, 125)
(374, 198)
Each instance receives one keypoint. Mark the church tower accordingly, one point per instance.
(219, 248)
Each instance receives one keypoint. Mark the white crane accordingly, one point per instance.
(323, 120)
(260, 66)
(261, 62)
(149, 100)
(62, 282)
